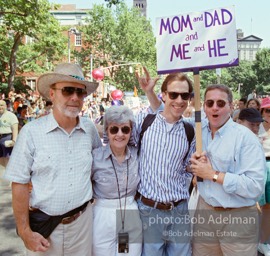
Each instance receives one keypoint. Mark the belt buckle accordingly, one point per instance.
(171, 206)
(66, 220)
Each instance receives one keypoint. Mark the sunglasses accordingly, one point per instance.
(267, 110)
(175, 95)
(68, 91)
(115, 129)
(220, 103)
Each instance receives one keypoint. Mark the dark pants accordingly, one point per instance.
(4, 151)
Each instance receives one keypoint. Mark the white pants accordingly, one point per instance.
(71, 239)
(107, 224)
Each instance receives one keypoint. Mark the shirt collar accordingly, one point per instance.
(161, 117)
(52, 124)
(222, 129)
(108, 152)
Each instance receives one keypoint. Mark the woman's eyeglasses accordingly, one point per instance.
(220, 103)
(114, 129)
(267, 110)
(175, 95)
(68, 91)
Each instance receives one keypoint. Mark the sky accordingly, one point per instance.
(251, 15)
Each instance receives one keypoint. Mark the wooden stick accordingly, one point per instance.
(198, 124)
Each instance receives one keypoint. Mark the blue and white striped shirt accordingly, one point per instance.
(162, 166)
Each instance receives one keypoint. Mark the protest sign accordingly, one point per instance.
(198, 40)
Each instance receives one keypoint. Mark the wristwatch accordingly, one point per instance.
(215, 177)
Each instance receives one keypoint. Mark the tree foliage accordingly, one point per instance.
(28, 18)
(116, 37)
(113, 2)
(244, 76)
(261, 66)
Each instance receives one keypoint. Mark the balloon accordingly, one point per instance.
(98, 74)
(117, 95)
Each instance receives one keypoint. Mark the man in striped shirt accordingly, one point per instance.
(164, 153)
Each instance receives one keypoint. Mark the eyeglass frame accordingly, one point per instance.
(123, 129)
(80, 92)
(219, 103)
(178, 94)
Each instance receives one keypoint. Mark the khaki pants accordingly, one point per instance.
(236, 235)
(71, 239)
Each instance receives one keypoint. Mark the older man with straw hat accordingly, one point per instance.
(54, 154)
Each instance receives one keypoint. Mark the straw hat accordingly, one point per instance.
(65, 72)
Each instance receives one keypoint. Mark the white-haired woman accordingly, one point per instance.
(117, 227)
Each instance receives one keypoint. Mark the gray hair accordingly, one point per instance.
(221, 87)
(118, 115)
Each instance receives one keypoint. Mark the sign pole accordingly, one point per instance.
(198, 124)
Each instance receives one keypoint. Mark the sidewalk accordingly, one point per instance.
(11, 244)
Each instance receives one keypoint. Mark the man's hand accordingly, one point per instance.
(35, 242)
(9, 143)
(201, 166)
(146, 83)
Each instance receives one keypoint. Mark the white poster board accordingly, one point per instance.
(198, 40)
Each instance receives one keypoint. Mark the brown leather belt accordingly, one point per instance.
(157, 205)
(219, 208)
(74, 217)
(70, 219)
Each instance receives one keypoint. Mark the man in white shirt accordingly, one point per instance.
(54, 154)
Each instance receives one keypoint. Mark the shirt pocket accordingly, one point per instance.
(85, 161)
(223, 163)
(105, 183)
(43, 164)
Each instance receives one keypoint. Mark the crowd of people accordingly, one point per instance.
(95, 179)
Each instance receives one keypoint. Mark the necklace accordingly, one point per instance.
(119, 195)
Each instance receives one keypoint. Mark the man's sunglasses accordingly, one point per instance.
(114, 129)
(220, 103)
(175, 95)
(68, 91)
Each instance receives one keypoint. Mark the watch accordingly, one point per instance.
(215, 177)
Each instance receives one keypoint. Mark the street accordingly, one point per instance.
(10, 243)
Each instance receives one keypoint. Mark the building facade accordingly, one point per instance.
(247, 46)
(141, 5)
(71, 17)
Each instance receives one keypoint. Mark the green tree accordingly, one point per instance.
(261, 66)
(21, 18)
(116, 37)
(113, 2)
(244, 76)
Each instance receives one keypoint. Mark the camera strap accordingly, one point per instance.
(119, 194)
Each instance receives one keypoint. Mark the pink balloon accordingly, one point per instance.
(98, 74)
(117, 95)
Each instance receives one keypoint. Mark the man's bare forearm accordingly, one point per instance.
(20, 204)
(153, 100)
